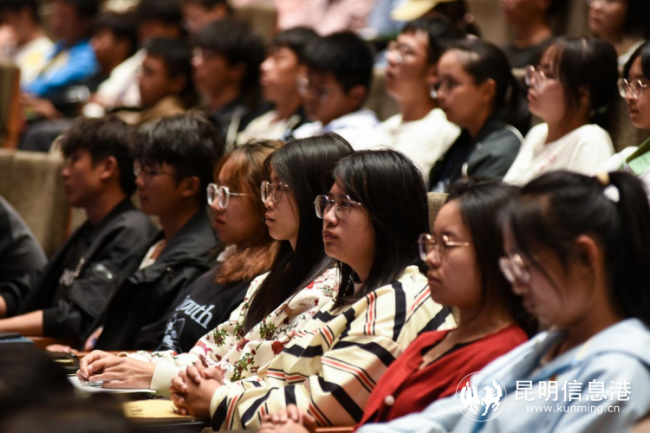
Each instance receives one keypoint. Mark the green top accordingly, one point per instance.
(639, 161)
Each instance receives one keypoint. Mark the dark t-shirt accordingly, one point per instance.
(199, 309)
(72, 264)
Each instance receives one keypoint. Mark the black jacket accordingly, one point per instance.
(114, 239)
(136, 316)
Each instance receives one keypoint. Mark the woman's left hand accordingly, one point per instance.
(192, 390)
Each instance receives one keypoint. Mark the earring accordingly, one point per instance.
(432, 91)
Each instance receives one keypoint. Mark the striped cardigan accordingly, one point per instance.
(332, 365)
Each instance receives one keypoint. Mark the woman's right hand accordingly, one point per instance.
(115, 371)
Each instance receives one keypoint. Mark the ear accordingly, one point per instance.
(190, 186)
(237, 72)
(357, 95)
(108, 168)
(590, 255)
(489, 90)
(585, 98)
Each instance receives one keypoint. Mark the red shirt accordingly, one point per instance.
(404, 388)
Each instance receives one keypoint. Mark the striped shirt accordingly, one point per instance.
(333, 363)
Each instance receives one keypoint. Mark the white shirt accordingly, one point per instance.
(424, 141)
(358, 128)
(121, 88)
(582, 150)
(32, 57)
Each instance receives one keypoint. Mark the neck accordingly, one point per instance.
(257, 239)
(558, 130)
(476, 322)
(588, 326)
(172, 223)
(416, 105)
(108, 67)
(223, 97)
(103, 205)
(362, 271)
(31, 35)
(477, 123)
(287, 106)
(532, 33)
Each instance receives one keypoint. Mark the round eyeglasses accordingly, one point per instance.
(343, 207)
(273, 190)
(535, 78)
(427, 244)
(515, 269)
(633, 89)
(221, 195)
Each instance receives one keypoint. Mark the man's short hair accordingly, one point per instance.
(102, 138)
(441, 32)
(295, 39)
(165, 11)
(187, 142)
(239, 44)
(177, 56)
(344, 55)
(18, 5)
(209, 4)
(86, 8)
(121, 24)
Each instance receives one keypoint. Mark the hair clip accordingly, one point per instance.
(610, 191)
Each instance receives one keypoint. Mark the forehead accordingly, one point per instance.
(636, 71)
(322, 78)
(418, 39)
(450, 220)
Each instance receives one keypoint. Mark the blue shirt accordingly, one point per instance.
(65, 66)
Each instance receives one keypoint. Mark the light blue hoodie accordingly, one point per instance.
(618, 353)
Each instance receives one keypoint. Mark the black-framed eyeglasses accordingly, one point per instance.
(400, 50)
(632, 88)
(343, 206)
(273, 190)
(515, 269)
(428, 244)
(221, 195)
(148, 173)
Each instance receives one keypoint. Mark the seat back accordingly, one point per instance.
(10, 110)
(436, 201)
(31, 183)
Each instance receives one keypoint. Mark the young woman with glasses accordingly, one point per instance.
(275, 307)
(568, 90)
(477, 91)
(372, 214)
(634, 88)
(622, 23)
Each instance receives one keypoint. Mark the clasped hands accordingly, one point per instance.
(193, 388)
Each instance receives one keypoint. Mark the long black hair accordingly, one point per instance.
(392, 191)
(585, 63)
(557, 207)
(479, 201)
(485, 61)
(302, 164)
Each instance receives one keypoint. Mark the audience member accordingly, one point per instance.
(531, 22)
(372, 213)
(197, 13)
(622, 23)
(477, 91)
(276, 306)
(634, 88)
(281, 72)
(575, 80)
(339, 75)
(21, 260)
(227, 63)
(175, 160)
(79, 280)
(72, 59)
(159, 19)
(421, 130)
(456, 10)
(462, 254)
(29, 378)
(165, 81)
(32, 44)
